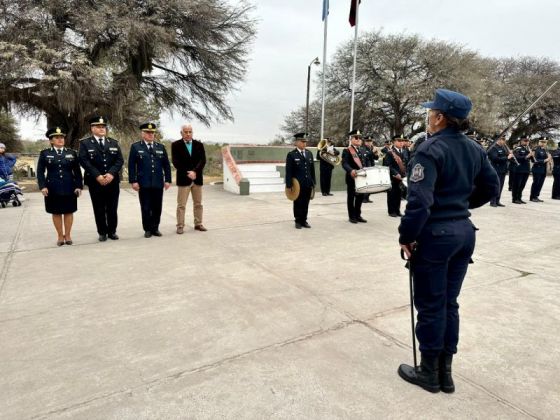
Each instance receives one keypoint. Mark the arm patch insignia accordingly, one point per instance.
(417, 174)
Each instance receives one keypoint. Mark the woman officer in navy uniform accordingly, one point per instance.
(61, 185)
(450, 174)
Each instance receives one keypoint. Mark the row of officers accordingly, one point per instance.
(60, 179)
(397, 155)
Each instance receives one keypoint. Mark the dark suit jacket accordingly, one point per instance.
(184, 162)
(150, 170)
(63, 174)
(349, 164)
(301, 169)
(97, 160)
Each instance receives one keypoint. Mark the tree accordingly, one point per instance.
(127, 59)
(8, 133)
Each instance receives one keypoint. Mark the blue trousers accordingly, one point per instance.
(439, 266)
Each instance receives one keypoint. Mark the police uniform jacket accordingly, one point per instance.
(349, 164)
(369, 157)
(300, 167)
(556, 159)
(185, 162)
(150, 170)
(63, 173)
(450, 174)
(521, 153)
(97, 160)
(539, 165)
(394, 167)
(498, 156)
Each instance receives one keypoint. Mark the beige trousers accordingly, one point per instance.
(182, 197)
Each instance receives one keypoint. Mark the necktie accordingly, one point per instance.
(101, 141)
(150, 148)
(59, 151)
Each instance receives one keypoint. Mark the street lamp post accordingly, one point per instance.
(316, 62)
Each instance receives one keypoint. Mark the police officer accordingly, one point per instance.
(325, 168)
(499, 155)
(149, 173)
(540, 160)
(450, 174)
(396, 159)
(370, 156)
(102, 160)
(521, 171)
(62, 184)
(353, 159)
(299, 165)
(556, 172)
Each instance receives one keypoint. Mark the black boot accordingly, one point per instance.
(425, 376)
(445, 379)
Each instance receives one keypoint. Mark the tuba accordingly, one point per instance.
(324, 154)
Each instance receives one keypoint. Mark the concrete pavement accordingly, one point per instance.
(255, 319)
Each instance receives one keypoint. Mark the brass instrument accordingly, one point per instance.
(328, 157)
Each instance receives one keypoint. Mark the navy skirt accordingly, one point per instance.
(61, 204)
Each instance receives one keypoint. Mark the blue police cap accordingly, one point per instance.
(55, 131)
(148, 127)
(355, 133)
(300, 136)
(450, 103)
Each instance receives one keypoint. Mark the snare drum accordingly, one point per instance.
(373, 180)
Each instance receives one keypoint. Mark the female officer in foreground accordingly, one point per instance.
(450, 174)
(62, 184)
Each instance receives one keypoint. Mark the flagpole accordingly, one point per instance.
(354, 67)
(324, 70)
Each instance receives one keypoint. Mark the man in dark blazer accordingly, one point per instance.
(188, 157)
(299, 165)
(396, 159)
(149, 172)
(102, 160)
(353, 160)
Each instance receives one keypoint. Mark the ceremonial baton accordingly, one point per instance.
(410, 285)
(523, 113)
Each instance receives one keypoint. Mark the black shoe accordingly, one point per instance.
(329, 194)
(445, 378)
(353, 221)
(298, 226)
(156, 233)
(540, 201)
(493, 205)
(102, 238)
(147, 234)
(324, 194)
(425, 376)
(361, 220)
(500, 205)
(522, 202)
(399, 214)
(113, 236)
(393, 215)
(517, 202)
(306, 225)
(535, 200)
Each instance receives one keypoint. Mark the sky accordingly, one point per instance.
(290, 35)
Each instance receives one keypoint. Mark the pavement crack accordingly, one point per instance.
(11, 250)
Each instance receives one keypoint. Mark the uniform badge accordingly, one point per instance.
(417, 174)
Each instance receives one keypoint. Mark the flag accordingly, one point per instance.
(352, 17)
(325, 9)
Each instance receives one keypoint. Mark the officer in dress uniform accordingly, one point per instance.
(149, 173)
(499, 155)
(102, 160)
(353, 159)
(370, 156)
(299, 165)
(325, 168)
(62, 184)
(396, 159)
(540, 160)
(450, 174)
(556, 172)
(521, 171)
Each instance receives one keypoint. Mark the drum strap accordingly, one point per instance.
(355, 156)
(399, 162)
